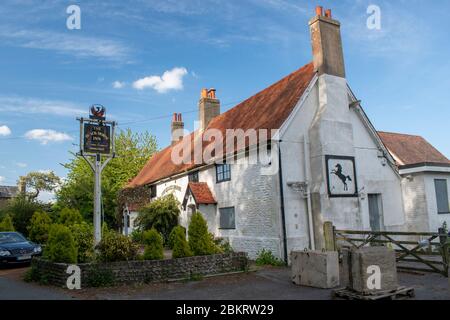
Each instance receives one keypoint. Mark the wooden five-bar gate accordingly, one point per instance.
(416, 251)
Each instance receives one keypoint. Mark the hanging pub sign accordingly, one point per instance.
(97, 138)
(341, 176)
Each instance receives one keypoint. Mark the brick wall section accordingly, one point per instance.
(129, 272)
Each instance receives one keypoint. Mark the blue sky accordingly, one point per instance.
(146, 59)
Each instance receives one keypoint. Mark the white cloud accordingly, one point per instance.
(5, 131)
(23, 105)
(21, 164)
(170, 80)
(2, 179)
(118, 84)
(66, 43)
(44, 136)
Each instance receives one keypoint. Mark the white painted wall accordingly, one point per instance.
(435, 220)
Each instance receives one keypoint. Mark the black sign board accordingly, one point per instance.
(97, 138)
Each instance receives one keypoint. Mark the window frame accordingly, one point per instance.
(234, 218)
(446, 193)
(223, 172)
(192, 175)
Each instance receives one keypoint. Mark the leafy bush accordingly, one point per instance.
(160, 214)
(61, 246)
(179, 243)
(137, 236)
(100, 278)
(34, 275)
(224, 245)
(200, 240)
(83, 234)
(39, 227)
(6, 224)
(116, 247)
(154, 249)
(177, 231)
(266, 258)
(69, 217)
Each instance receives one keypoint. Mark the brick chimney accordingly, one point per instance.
(177, 128)
(327, 44)
(208, 107)
(22, 185)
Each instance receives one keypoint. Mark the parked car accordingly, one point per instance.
(16, 249)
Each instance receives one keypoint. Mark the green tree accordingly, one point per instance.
(160, 214)
(154, 249)
(180, 246)
(200, 240)
(132, 150)
(21, 209)
(61, 246)
(40, 181)
(116, 247)
(70, 217)
(39, 227)
(6, 224)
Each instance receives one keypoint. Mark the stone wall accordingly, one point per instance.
(129, 272)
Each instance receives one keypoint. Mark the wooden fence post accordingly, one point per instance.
(328, 233)
(443, 239)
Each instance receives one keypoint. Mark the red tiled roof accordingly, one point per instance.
(409, 149)
(201, 192)
(267, 109)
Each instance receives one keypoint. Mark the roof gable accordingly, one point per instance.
(411, 149)
(201, 193)
(267, 109)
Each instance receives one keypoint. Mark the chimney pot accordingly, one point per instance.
(328, 13)
(180, 119)
(204, 93)
(212, 93)
(319, 11)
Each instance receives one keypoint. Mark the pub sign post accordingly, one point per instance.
(97, 147)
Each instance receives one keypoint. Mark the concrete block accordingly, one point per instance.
(364, 263)
(315, 269)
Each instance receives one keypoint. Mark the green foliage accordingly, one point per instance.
(116, 247)
(154, 249)
(61, 245)
(176, 232)
(224, 245)
(83, 234)
(70, 217)
(100, 278)
(21, 209)
(132, 149)
(137, 236)
(39, 227)
(180, 246)
(266, 258)
(6, 224)
(160, 214)
(200, 241)
(41, 181)
(34, 275)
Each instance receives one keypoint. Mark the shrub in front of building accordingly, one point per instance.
(179, 244)
(200, 241)
(116, 247)
(83, 234)
(61, 246)
(39, 227)
(69, 217)
(154, 249)
(266, 258)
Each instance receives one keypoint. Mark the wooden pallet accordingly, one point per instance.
(400, 293)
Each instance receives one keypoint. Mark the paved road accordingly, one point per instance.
(272, 283)
(12, 287)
